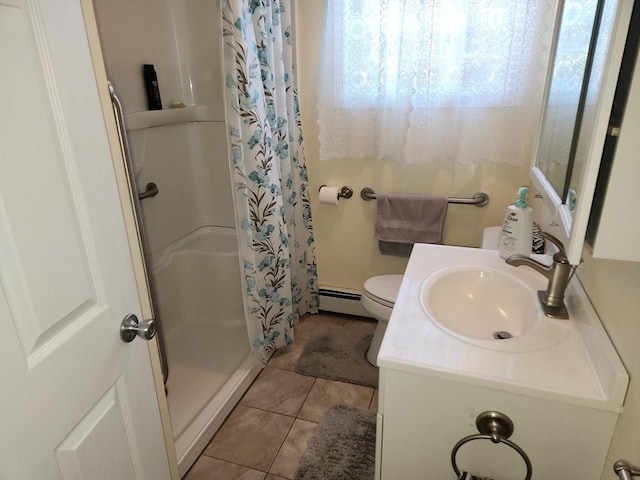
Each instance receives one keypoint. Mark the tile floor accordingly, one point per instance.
(266, 434)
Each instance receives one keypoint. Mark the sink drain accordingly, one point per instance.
(502, 335)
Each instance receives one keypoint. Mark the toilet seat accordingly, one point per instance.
(383, 289)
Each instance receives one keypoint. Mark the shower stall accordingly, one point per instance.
(190, 223)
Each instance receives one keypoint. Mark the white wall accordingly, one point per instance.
(614, 290)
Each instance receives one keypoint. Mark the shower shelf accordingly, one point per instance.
(172, 116)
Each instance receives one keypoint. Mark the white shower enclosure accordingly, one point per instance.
(190, 223)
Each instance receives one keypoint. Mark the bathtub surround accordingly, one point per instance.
(337, 352)
(191, 222)
(342, 446)
(273, 208)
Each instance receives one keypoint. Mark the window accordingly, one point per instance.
(426, 80)
(434, 53)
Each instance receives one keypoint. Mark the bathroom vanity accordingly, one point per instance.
(560, 382)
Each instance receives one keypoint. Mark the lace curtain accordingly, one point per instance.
(425, 81)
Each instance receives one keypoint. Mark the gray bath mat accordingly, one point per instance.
(338, 352)
(343, 447)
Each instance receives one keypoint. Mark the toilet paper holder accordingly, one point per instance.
(345, 192)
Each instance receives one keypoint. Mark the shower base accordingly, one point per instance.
(208, 376)
(202, 359)
(208, 350)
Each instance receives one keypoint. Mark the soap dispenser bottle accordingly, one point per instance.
(517, 228)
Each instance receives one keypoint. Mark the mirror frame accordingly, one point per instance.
(561, 186)
(571, 226)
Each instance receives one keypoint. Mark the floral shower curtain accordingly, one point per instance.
(268, 169)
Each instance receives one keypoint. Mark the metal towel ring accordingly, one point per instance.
(497, 427)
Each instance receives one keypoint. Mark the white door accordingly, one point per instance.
(75, 401)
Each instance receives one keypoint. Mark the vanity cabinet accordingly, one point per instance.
(423, 415)
(560, 382)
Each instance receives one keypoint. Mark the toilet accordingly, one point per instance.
(379, 296)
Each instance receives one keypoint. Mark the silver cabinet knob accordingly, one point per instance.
(130, 327)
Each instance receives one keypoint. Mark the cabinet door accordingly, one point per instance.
(426, 416)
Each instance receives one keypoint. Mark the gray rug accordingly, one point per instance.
(343, 447)
(338, 352)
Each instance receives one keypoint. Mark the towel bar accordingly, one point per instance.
(480, 199)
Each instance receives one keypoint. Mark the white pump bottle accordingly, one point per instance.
(517, 228)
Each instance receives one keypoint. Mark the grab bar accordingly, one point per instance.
(625, 470)
(480, 199)
(118, 111)
(151, 190)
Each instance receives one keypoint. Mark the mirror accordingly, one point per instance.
(591, 91)
(566, 164)
(569, 59)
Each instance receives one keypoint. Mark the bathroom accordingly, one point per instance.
(348, 227)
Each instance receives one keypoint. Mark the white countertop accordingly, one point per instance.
(582, 366)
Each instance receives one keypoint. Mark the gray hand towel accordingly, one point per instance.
(403, 220)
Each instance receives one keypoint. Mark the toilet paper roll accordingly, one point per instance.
(329, 195)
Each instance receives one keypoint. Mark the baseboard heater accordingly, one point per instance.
(341, 300)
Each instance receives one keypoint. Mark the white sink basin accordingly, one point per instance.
(476, 302)
(479, 299)
(453, 299)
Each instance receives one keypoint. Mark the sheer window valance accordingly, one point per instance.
(414, 81)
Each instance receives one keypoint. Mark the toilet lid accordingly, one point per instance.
(383, 288)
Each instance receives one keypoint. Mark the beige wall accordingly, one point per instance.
(614, 290)
(346, 249)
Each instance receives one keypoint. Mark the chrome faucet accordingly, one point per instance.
(558, 274)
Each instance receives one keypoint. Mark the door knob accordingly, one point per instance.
(130, 327)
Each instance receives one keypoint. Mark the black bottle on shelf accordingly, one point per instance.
(151, 84)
